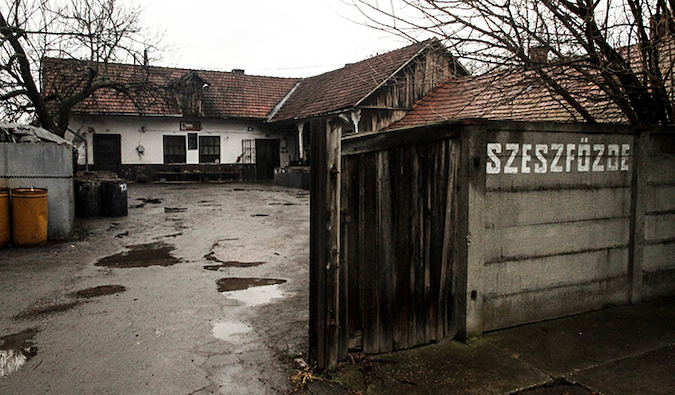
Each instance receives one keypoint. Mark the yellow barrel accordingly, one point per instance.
(5, 226)
(29, 216)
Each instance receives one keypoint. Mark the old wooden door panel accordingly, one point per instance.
(401, 256)
(267, 158)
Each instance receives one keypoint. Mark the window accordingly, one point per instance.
(209, 149)
(192, 140)
(174, 149)
(248, 151)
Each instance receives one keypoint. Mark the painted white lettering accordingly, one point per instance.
(524, 163)
(570, 157)
(599, 149)
(494, 166)
(509, 168)
(584, 163)
(539, 151)
(555, 168)
(613, 157)
(625, 153)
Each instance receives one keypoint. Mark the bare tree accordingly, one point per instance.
(623, 47)
(90, 34)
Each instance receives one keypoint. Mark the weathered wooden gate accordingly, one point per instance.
(382, 240)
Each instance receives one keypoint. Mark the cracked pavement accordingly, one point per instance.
(168, 330)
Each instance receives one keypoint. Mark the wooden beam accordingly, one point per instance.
(325, 244)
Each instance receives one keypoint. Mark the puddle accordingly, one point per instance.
(212, 257)
(229, 330)
(141, 255)
(146, 201)
(46, 310)
(101, 290)
(251, 291)
(16, 350)
(175, 209)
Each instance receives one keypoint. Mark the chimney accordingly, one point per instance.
(238, 71)
(539, 54)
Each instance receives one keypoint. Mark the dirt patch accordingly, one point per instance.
(45, 310)
(141, 255)
(101, 290)
(239, 283)
(16, 350)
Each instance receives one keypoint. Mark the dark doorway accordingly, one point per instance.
(267, 158)
(107, 152)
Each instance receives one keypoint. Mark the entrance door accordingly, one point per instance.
(107, 152)
(267, 158)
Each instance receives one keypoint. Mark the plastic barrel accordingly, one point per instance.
(114, 198)
(29, 216)
(88, 198)
(5, 225)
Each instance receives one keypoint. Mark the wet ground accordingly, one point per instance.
(201, 289)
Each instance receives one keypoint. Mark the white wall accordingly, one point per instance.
(148, 132)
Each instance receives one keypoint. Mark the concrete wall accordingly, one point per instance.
(658, 263)
(148, 132)
(43, 165)
(560, 222)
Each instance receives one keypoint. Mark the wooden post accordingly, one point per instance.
(324, 244)
(470, 236)
(636, 244)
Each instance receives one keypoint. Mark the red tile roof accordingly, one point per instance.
(229, 95)
(346, 87)
(510, 95)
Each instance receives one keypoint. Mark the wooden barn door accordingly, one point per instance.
(383, 236)
(397, 239)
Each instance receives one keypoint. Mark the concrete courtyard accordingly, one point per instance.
(201, 289)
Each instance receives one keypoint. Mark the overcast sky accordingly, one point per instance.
(286, 38)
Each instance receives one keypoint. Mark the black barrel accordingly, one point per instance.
(114, 198)
(88, 198)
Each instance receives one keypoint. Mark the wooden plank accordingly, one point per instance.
(427, 232)
(418, 235)
(351, 248)
(369, 254)
(343, 323)
(386, 247)
(446, 292)
(400, 158)
(437, 222)
(373, 142)
(317, 274)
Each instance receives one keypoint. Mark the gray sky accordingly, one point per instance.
(286, 38)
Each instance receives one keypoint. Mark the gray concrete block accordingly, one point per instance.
(522, 242)
(559, 271)
(539, 207)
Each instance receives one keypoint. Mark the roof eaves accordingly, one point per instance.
(404, 65)
(283, 101)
